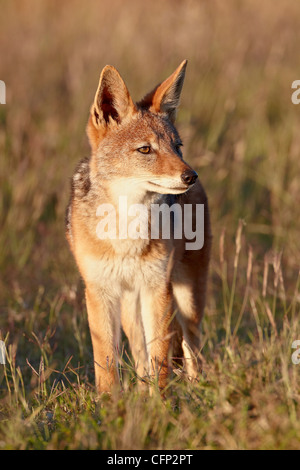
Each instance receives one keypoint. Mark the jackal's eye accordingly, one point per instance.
(145, 149)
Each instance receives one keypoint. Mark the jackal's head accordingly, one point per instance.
(136, 147)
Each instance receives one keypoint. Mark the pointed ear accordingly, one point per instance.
(112, 104)
(165, 96)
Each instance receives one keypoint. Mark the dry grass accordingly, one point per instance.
(240, 130)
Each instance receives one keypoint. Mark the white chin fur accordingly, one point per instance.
(161, 189)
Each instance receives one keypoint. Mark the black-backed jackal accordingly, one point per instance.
(153, 287)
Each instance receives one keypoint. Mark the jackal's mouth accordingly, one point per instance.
(167, 188)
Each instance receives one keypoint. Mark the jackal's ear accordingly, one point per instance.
(112, 104)
(165, 96)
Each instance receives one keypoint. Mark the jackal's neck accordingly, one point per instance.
(124, 189)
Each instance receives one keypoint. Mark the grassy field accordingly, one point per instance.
(241, 131)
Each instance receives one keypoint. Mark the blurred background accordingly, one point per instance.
(238, 124)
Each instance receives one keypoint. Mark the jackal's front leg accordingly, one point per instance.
(104, 323)
(156, 305)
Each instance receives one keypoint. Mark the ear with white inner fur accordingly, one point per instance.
(112, 101)
(165, 96)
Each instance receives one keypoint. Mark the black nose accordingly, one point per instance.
(189, 177)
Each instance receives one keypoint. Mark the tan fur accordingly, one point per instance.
(140, 283)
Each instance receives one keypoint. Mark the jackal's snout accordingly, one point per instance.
(189, 177)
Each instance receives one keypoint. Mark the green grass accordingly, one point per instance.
(240, 130)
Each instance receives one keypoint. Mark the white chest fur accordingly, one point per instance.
(128, 271)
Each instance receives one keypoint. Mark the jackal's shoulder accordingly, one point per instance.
(81, 183)
(80, 187)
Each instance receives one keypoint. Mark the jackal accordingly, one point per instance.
(153, 288)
